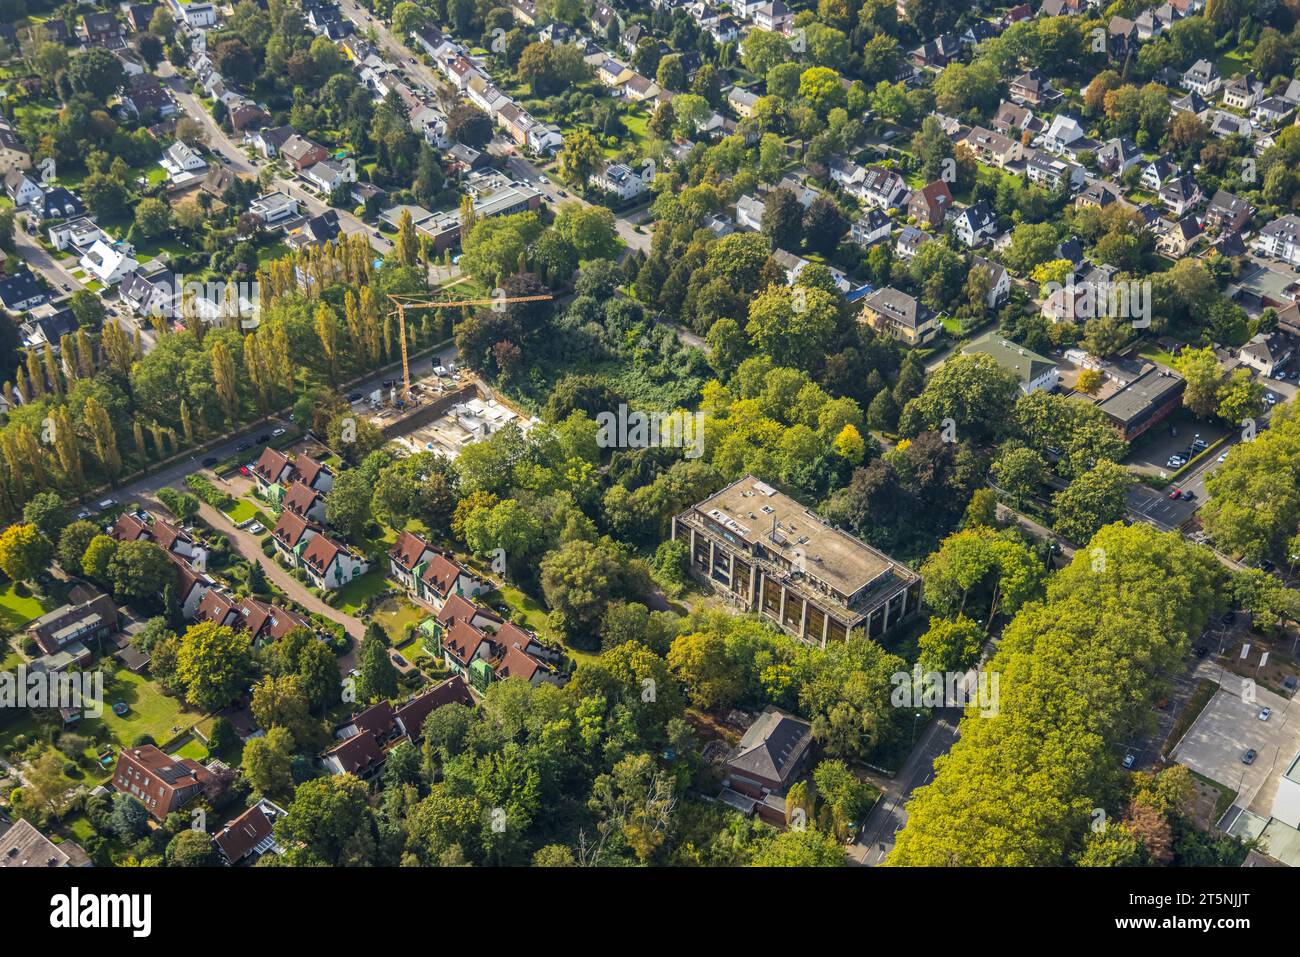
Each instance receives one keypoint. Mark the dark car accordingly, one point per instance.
(243, 446)
(1188, 495)
(264, 437)
(1248, 757)
(1201, 651)
(210, 461)
(354, 397)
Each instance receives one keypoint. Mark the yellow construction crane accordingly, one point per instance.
(404, 303)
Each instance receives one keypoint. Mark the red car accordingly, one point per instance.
(1175, 494)
(243, 470)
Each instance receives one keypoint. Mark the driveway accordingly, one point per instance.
(249, 547)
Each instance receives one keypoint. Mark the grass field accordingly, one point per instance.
(16, 611)
(354, 594)
(395, 614)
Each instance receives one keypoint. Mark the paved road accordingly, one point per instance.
(237, 160)
(888, 817)
(250, 547)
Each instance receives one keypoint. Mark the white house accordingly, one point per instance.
(108, 262)
(749, 213)
(1242, 92)
(330, 565)
(975, 225)
(883, 187)
(181, 162)
(200, 16)
(1203, 77)
(21, 188)
(620, 180)
(273, 208)
(330, 174)
(1063, 131)
(872, 226)
(79, 234)
(1280, 239)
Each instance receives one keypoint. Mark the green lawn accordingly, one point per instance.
(193, 749)
(394, 614)
(531, 612)
(241, 510)
(414, 650)
(16, 611)
(151, 712)
(354, 594)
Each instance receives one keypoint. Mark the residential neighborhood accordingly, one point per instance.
(617, 434)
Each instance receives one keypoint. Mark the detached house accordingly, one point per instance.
(894, 313)
(993, 148)
(883, 187)
(1227, 212)
(1117, 156)
(1242, 92)
(771, 755)
(1280, 239)
(163, 784)
(301, 153)
(1180, 194)
(1032, 89)
(21, 188)
(1203, 77)
(1158, 172)
(975, 225)
(931, 204)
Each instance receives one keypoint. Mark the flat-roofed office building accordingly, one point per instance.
(766, 553)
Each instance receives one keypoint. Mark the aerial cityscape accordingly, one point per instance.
(555, 433)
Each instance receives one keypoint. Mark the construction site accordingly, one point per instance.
(445, 410)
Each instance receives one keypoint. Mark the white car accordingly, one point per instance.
(1223, 457)
(257, 528)
(1264, 713)
(277, 432)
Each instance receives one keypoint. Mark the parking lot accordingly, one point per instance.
(1227, 728)
(1150, 453)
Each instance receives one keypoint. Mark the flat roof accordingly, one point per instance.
(1146, 391)
(757, 513)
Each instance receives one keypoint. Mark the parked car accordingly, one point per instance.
(1264, 713)
(1223, 456)
(1289, 683)
(1129, 760)
(245, 470)
(1175, 494)
(1201, 651)
(1188, 495)
(243, 446)
(354, 397)
(210, 461)
(257, 528)
(264, 437)
(277, 432)
(1248, 757)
